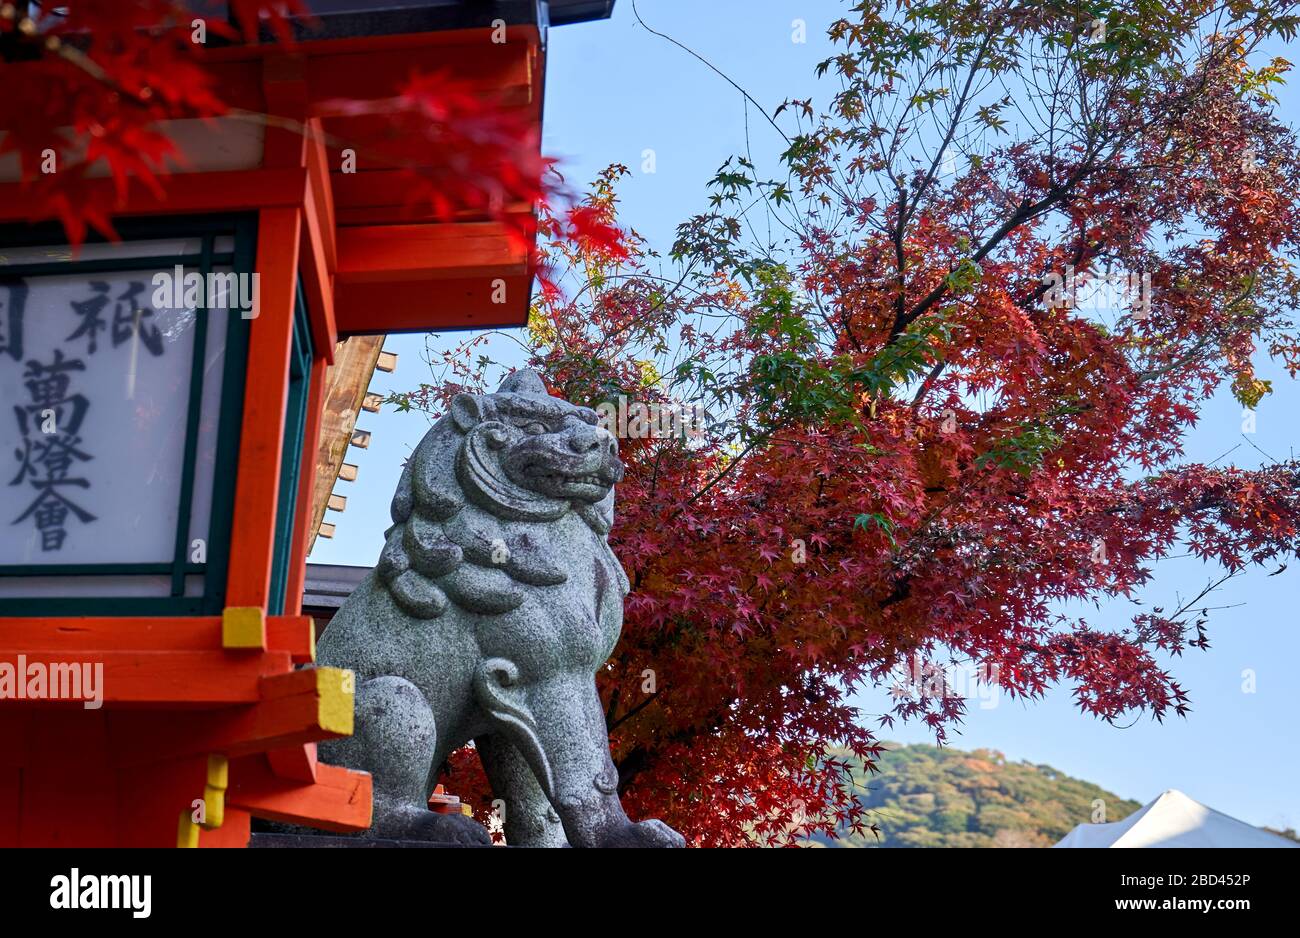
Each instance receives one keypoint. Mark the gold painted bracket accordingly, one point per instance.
(243, 627)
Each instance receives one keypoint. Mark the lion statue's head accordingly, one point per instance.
(529, 456)
(469, 509)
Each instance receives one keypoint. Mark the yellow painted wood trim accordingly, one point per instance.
(243, 627)
(336, 692)
(187, 832)
(214, 792)
(219, 772)
(214, 807)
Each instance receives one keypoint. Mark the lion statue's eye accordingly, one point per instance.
(534, 428)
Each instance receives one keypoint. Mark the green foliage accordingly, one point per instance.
(907, 358)
(964, 277)
(1023, 452)
(791, 387)
(866, 521)
(790, 379)
(925, 796)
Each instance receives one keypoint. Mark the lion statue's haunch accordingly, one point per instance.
(495, 600)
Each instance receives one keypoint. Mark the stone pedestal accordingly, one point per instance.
(295, 841)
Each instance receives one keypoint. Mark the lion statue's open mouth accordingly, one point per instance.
(578, 461)
(533, 457)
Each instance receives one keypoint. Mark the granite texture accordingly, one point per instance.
(495, 600)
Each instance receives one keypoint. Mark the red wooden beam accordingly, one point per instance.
(377, 64)
(290, 633)
(431, 305)
(449, 251)
(291, 708)
(339, 801)
(234, 832)
(372, 189)
(90, 633)
(179, 678)
(297, 763)
(502, 70)
(183, 193)
(294, 633)
(435, 42)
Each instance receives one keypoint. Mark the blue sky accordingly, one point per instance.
(614, 91)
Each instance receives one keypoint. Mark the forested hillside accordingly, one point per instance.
(924, 796)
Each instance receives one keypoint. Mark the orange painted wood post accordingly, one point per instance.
(265, 396)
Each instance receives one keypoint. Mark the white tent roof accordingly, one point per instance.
(1174, 820)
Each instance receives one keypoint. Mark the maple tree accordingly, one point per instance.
(921, 448)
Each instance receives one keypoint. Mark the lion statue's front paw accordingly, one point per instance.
(651, 833)
(442, 829)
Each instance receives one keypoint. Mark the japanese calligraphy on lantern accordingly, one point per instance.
(50, 448)
(95, 383)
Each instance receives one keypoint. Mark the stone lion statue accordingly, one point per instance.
(495, 600)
